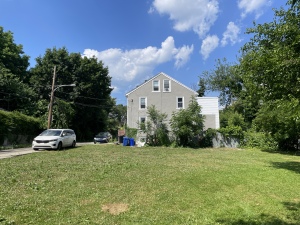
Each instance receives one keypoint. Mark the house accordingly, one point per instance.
(168, 95)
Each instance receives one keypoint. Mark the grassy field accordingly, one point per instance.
(109, 184)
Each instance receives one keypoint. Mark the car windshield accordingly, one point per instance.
(51, 133)
(102, 134)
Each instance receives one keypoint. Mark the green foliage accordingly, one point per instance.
(155, 128)
(202, 87)
(15, 123)
(281, 119)
(187, 124)
(12, 56)
(15, 94)
(117, 118)
(226, 79)
(229, 117)
(206, 140)
(232, 131)
(259, 140)
(131, 132)
(84, 108)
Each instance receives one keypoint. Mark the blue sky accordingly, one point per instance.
(137, 39)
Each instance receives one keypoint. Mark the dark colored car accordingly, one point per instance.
(102, 137)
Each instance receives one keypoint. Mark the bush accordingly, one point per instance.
(13, 124)
(253, 139)
(207, 138)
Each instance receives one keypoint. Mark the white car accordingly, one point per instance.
(55, 139)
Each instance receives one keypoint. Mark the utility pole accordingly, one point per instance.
(51, 99)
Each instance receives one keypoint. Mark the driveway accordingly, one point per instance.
(8, 153)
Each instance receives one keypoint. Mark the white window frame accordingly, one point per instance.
(140, 102)
(177, 102)
(169, 89)
(158, 82)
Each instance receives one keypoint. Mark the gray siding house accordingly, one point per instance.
(168, 95)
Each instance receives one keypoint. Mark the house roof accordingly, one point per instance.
(153, 78)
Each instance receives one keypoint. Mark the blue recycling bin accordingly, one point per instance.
(125, 141)
(131, 142)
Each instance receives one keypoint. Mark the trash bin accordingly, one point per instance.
(121, 139)
(131, 142)
(125, 141)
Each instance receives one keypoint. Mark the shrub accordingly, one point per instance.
(254, 139)
(13, 124)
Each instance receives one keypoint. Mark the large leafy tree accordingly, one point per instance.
(85, 107)
(226, 79)
(15, 94)
(270, 66)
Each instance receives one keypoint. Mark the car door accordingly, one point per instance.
(65, 138)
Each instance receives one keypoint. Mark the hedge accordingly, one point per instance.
(16, 123)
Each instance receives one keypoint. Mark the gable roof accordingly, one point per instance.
(153, 78)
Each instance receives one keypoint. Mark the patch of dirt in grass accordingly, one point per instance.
(115, 208)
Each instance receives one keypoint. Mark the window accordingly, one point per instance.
(180, 102)
(167, 86)
(143, 103)
(155, 85)
(142, 119)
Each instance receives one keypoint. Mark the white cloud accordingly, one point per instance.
(252, 6)
(129, 66)
(231, 34)
(196, 15)
(209, 44)
(183, 55)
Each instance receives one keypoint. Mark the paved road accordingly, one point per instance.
(8, 153)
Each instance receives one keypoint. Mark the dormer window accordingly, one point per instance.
(155, 84)
(167, 86)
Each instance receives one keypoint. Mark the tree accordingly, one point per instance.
(84, 108)
(226, 79)
(202, 87)
(187, 124)
(155, 127)
(270, 68)
(15, 94)
(117, 118)
(12, 56)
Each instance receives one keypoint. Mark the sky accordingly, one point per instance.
(137, 39)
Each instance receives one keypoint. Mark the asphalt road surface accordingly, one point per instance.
(8, 153)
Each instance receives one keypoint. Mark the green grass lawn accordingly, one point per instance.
(109, 184)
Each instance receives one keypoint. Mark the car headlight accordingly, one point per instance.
(53, 140)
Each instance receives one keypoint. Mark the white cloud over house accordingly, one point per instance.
(129, 66)
(198, 16)
(209, 44)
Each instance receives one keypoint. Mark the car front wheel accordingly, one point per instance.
(59, 146)
(73, 144)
